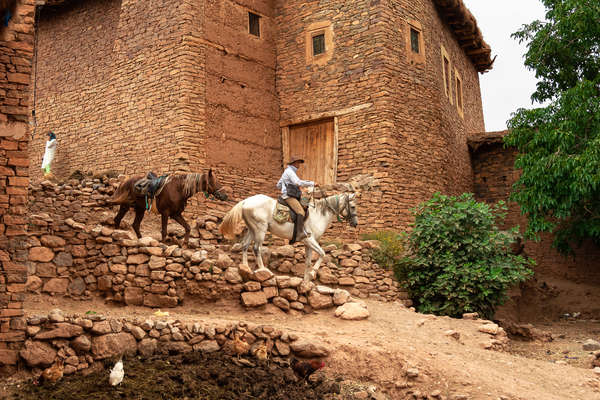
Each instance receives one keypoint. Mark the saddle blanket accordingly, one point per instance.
(281, 214)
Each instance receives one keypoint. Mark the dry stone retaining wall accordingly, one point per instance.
(70, 256)
(83, 341)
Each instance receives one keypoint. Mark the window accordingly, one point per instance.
(459, 93)
(447, 75)
(254, 24)
(415, 45)
(414, 40)
(318, 43)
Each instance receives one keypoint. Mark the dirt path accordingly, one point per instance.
(382, 348)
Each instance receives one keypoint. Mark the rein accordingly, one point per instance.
(337, 210)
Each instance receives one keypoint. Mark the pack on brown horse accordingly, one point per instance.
(170, 200)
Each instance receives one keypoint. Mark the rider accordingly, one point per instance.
(289, 184)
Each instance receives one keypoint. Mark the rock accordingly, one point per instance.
(346, 281)
(138, 332)
(304, 348)
(77, 286)
(319, 301)
(271, 291)
(104, 283)
(157, 262)
(254, 299)
(46, 270)
(41, 254)
(281, 303)
(324, 289)
(352, 247)
(199, 256)
(284, 251)
(591, 345)
(224, 261)
(326, 276)
(412, 373)
(246, 272)
(252, 286)
(147, 347)
(118, 269)
(597, 370)
(61, 330)
(491, 329)
(56, 315)
(340, 296)
(289, 294)
(305, 287)
(159, 300)
(8, 357)
(52, 241)
(133, 296)
(262, 274)
(101, 328)
(81, 344)
(37, 354)
(352, 311)
(207, 346)
(148, 241)
(177, 348)
(472, 315)
(113, 344)
(33, 283)
(63, 259)
(453, 334)
(136, 259)
(56, 285)
(232, 275)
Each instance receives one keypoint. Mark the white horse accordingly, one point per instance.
(257, 213)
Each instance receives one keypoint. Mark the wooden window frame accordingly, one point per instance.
(447, 80)
(285, 143)
(313, 36)
(414, 58)
(460, 93)
(324, 28)
(260, 29)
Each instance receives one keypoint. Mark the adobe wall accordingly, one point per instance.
(16, 53)
(494, 176)
(115, 96)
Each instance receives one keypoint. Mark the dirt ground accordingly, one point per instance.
(380, 349)
(202, 376)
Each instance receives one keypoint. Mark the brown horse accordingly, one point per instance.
(170, 202)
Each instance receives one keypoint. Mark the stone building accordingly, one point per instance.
(16, 53)
(389, 89)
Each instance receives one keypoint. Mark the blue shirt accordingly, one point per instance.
(289, 177)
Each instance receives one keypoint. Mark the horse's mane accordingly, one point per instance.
(321, 204)
(190, 183)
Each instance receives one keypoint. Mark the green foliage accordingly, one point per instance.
(391, 247)
(559, 144)
(459, 260)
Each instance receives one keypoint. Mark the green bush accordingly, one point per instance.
(459, 261)
(391, 248)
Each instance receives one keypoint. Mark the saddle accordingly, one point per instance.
(150, 187)
(283, 213)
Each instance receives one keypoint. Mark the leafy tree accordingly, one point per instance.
(459, 260)
(559, 144)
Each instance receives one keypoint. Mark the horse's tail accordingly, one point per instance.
(231, 220)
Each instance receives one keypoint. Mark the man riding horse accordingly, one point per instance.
(290, 184)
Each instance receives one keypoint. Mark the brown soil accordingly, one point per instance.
(190, 376)
(380, 349)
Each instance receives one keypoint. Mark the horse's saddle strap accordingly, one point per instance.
(156, 184)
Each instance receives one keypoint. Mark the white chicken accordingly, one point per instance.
(116, 374)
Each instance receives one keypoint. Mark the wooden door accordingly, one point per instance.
(316, 143)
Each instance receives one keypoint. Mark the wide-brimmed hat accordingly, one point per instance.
(296, 159)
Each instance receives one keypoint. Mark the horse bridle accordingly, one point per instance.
(216, 193)
(338, 212)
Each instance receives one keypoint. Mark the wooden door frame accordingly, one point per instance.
(285, 142)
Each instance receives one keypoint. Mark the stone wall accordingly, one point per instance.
(84, 341)
(72, 254)
(494, 175)
(16, 53)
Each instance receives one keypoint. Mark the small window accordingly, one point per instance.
(459, 96)
(254, 24)
(318, 44)
(414, 40)
(447, 75)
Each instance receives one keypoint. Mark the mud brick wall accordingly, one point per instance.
(85, 341)
(494, 175)
(16, 53)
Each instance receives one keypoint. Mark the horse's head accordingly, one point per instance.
(348, 210)
(214, 187)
